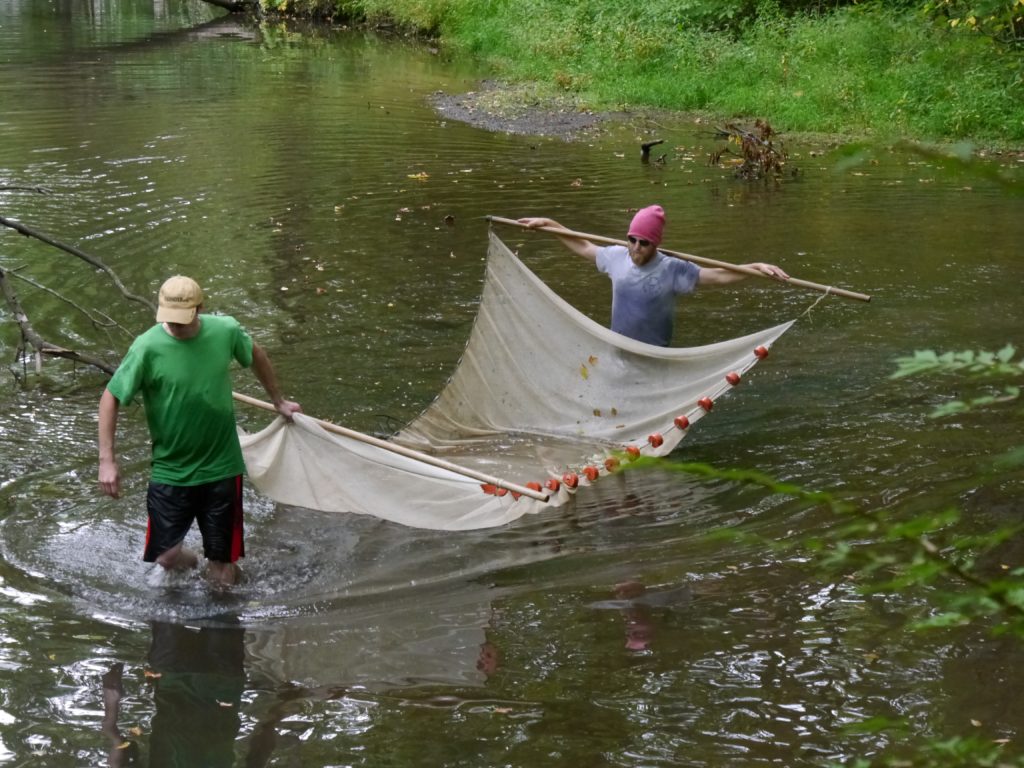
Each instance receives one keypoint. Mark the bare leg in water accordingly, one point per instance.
(177, 558)
(222, 574)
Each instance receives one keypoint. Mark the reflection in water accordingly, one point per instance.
(489, 659)
(639, 618)
(198, 677)
(122, 751)
(638, 606)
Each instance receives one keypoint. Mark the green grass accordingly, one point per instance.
(861, 69)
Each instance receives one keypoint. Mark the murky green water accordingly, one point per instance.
(306, 180)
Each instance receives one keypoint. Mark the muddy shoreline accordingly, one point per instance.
(529, 110)
(522, 110)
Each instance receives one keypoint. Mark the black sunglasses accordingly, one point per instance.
(638, 241)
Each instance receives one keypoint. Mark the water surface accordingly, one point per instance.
(306, 180)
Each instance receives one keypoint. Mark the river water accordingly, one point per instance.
(307, 180)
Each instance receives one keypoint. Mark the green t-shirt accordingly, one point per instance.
(186, 390)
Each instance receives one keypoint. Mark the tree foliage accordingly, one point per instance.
(992, 366)
(1001, 20)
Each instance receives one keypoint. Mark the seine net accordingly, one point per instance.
(542, 392)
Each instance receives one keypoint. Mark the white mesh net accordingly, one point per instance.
(541, 392)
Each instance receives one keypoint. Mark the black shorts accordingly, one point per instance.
(216, 506)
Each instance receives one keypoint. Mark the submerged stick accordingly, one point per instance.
(409, 453)
(41, 345)
(704, 262)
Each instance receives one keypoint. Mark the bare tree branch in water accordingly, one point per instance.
(106, 322)
(31, 338)
(762, 154)
(29, 232)
(19, 188)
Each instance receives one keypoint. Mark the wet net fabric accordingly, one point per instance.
(302, 464)
(542, 392)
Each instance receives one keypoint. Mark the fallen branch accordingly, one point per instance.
(41, 345)
(107, 322)
(20, 188)
(645, 149)
(761, 158)
(92, 260)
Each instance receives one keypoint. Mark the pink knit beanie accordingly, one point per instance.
(648, 224)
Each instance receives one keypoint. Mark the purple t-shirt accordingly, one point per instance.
(644, 298)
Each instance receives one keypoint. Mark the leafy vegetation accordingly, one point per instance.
(990, 365)
(935, 69)
(935, 554)
(1000, 20)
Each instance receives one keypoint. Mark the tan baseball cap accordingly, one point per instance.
(179, 298)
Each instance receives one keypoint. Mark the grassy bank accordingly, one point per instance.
(861, 69)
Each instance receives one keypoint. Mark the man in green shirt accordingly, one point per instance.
(181, 367)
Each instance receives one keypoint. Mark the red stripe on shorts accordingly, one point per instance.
(237, 543)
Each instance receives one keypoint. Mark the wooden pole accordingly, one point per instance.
(704, 262)
(407, 452)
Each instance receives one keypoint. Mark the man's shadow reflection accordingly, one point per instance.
(198, 678)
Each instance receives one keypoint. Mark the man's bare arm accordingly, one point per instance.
(264, 371)
(583, 248)
(720, 276)
(110, 471)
